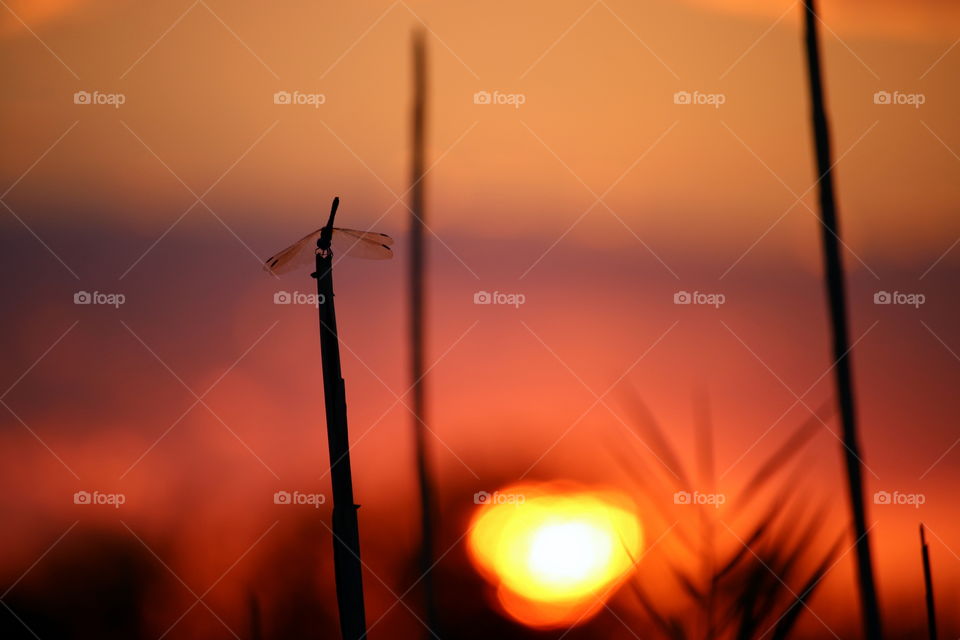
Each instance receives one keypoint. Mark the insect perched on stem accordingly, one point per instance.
(320, 246)
(346, 242)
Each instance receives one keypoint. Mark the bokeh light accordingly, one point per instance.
(554, 552)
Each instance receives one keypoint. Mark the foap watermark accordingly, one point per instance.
(898, 297)
(697, 297)
(712, 499)
(298, 97)
(98, 297)
(498, 297)
(298, 297)
(485, 497)
(97, 498)
(114, 100)
(697, 97)
(298, 497)
(498, 97)
(899, 97)
(897, 498)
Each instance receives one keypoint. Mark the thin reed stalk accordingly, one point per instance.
(928, 585)
(347, 566)
(836, 296)
(417, 328)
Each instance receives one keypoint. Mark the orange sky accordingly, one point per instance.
(597, 101)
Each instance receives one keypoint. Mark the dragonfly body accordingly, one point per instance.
(349, 242)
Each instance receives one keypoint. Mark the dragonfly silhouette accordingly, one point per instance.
(319, 247)
(347, 242)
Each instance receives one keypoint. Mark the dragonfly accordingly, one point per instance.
(348, 242)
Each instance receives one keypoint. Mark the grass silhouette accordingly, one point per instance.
(757, 585)
(836, 297)
(346, 530)
(928, 585)
(417, 326)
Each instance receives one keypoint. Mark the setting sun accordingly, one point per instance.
(554, 553)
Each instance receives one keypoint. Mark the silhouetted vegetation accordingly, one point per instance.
(834, 280)
(760, 583)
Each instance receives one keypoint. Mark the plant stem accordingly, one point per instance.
(346, 530)
(836, 295)
(928, 585)
(417, 320)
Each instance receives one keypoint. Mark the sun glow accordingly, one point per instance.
(555, 553)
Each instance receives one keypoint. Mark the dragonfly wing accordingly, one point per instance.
(369, 236)
(299, 254)
(361, 244)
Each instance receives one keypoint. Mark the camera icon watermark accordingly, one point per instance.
(696, 498)
(97, 297)
(299, 498)
(709, 299)
(498, 97)
(299, 98)
(497, 297)
(114, 500)
(897, 498)
(714, 100)
(899, 98)
(899, 298)
(485, 497)
(115, 100)
(297, 297)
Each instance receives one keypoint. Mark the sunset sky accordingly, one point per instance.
(597, 199)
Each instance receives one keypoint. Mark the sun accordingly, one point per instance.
(555, 553)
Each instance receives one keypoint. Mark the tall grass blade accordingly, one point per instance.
(417, 329)
(670, 628)
(654, 439)
(834, 274)
(788, 620)
(347, 567)
(928, 585)
(779, 459)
